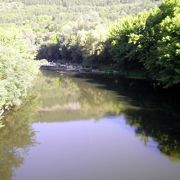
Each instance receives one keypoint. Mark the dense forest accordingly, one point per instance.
(150, 43)
(108, 34)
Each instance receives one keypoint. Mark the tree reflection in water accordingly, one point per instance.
(161, 126)
(154, 114)
(66, 98)
(58, 98)
(15, 136)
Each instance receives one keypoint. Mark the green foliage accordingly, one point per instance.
(151, 40)
(162, 38)
(17, 70)
(125, 38)
(77, 27)
(82, 45)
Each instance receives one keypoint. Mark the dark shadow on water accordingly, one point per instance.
(154, 113)
(157, 114)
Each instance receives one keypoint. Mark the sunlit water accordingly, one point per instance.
(79, 128)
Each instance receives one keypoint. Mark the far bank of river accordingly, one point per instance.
(81, 69)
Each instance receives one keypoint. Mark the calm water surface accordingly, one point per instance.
(89, 128)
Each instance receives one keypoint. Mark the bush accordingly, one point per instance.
(17, 70)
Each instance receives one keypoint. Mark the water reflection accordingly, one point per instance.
(154, 114)
(66, 98)
(160, 126)
(85, 150)
(17, 134)
(62, 98)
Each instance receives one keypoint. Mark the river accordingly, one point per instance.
(79, 127)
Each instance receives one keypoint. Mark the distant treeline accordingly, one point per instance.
(80, 2)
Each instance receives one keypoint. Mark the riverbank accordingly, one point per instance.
(131, 80)
(78, 68)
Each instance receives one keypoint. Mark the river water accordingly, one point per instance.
(91, 128)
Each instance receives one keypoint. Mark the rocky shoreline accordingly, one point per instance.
(66, 68)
